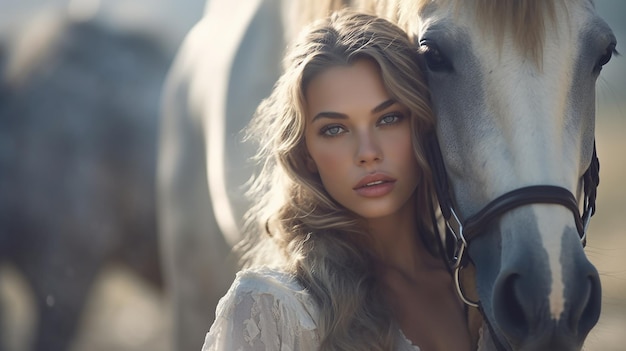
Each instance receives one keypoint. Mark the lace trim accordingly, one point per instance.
(265, 310)
(409, 342)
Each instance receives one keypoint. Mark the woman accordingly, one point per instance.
(340, 252)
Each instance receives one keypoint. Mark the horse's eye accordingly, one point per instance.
(606, 56)
(435, 60)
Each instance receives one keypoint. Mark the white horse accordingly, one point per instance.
(226, 65)
(513, 88)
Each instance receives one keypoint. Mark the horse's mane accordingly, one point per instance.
(526, 21)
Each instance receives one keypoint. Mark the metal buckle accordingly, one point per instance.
(586, 221)
(456, 228)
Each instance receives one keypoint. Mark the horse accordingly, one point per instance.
(513, 91)
(78, 133)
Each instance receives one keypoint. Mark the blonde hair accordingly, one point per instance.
(526, 21)
(294, 223)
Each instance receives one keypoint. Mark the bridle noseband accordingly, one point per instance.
(459, 233)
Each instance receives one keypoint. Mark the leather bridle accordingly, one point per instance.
(460, 233)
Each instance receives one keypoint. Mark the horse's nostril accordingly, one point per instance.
(522, 312)
(590, 307)
(509, 311)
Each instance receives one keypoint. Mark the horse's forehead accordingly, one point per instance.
(547, 17)
(551, 55)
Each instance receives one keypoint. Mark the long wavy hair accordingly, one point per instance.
(294, 223)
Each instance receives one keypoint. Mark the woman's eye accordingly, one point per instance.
(332, 130)
(389, 119)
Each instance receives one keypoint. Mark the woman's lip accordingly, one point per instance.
(373, 180)
(376, 188)
(375, 185)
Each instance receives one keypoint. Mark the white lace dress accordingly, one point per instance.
(267, 310)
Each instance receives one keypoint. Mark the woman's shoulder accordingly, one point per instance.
(268, 280)
(282, 287)
(273, 281)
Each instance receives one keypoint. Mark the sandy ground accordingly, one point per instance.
(123, 314)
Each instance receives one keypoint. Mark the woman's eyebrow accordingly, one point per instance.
(337, 115)
(383, 106)
(334, 115)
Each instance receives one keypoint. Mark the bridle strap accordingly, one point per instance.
(460, 233)
(537, 194)
(545, 194)
(440, 176)
(591, 180)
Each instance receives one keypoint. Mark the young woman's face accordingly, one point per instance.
(359, 141)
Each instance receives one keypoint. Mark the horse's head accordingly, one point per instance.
(513, 87)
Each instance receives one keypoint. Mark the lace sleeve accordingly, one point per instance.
(257, 316)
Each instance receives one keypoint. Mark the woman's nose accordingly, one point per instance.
(369, 149)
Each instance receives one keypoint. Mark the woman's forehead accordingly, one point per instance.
(342, 87)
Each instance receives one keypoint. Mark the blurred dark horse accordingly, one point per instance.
(78, 123)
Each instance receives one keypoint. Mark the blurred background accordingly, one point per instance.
(124, 306)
